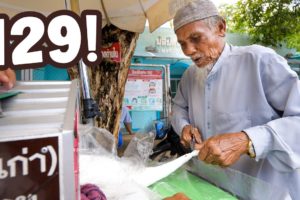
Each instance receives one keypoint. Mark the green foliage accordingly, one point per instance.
(269, 22)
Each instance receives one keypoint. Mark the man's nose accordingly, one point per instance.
(190, 50)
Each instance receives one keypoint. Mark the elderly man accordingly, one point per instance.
(241, 104)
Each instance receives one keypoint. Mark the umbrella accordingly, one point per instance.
(128, 15)
(13, 7)
(131, 15)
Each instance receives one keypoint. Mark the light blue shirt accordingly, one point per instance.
(125, 116)
(252, 89)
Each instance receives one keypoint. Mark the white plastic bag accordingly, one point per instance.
(100, 165)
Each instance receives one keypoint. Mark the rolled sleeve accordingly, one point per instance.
(261, 140)
(179, 119)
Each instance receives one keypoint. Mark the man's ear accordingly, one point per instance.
(222, 28)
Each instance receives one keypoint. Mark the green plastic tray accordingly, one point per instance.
(4, 95)
(192, 186)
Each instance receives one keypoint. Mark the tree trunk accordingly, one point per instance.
(107, 81)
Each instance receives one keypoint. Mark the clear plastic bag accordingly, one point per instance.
(140, 147)
(100, 165)
(238, 183)
(92, 140)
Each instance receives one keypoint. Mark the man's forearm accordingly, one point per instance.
(128, 127)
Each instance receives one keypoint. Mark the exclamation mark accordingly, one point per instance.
(91, 30)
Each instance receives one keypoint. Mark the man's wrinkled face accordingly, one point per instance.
(201, 43)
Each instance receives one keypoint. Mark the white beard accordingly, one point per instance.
(202, 73)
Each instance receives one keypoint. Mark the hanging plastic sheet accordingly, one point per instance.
(241, 185)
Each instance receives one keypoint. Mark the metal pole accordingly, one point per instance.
(27, 74)
(168, 89)
(82, 67)
(166, 93)
(90, 107)
(84, 80)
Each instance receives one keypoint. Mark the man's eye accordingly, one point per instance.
(196, 39)
(182, 45)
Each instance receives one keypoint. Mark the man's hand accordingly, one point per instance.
(186, 136)
(224, 149)
(178, 196)
(7, 78)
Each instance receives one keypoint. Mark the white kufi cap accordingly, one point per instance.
(193, 11)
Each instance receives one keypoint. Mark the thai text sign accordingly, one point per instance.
(113, 52)
(29, 169)
(143, 90)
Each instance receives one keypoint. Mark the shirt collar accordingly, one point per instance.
(224, 54)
